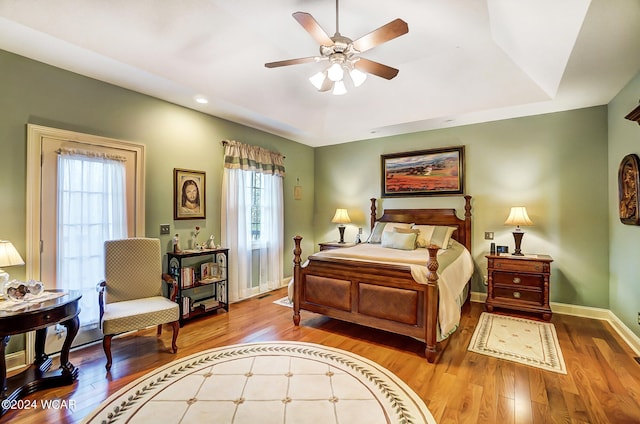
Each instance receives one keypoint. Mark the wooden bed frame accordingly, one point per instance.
(377, 295)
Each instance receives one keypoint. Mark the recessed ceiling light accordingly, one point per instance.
(201, 99)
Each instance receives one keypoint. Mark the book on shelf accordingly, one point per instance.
(209, 304)
(187, 276)
(186, 306)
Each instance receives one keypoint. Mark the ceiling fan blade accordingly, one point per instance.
(375, 68)
(292, 62)
(381, 35)
(313, 28)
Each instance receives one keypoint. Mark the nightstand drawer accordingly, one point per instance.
(516, 279)
(519, 295)
(518, 265)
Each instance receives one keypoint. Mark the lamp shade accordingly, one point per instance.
(341, 217)
(518, 216)
(9, 256)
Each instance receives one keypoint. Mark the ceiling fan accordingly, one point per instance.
(343, 53)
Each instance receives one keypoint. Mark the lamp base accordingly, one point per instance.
(341, 229)
(517, 237)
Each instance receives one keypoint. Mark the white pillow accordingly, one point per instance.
(376, 234)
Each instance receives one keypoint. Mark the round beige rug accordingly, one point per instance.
(270, 382)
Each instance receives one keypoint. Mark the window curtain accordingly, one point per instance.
(241, 162)
(91, 209)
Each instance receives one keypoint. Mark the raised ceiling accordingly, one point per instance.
(462, 62)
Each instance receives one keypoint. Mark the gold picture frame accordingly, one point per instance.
(189, 194)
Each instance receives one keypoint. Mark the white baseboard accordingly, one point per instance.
(586, 312)
(16, 360)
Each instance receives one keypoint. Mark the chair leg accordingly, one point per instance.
(106, 345)
(174, 339)
(159, 329)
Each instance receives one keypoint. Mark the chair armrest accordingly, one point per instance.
(172, 285)
(101, 288)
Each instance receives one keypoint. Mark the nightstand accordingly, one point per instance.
(519, 283)
(328, 245)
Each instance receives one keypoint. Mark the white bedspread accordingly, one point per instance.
(452, 278)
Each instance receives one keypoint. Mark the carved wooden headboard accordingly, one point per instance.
(446, 217)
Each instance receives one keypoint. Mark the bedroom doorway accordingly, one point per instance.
(85, 190)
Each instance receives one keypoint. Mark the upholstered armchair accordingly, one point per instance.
(131, 296)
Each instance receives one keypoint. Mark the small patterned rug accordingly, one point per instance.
(284, 302)
(269, 382)
(520, 340)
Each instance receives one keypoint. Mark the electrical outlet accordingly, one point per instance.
(165, 229)
(359, 230)
(488, 235)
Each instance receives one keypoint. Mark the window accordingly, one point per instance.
(256, 188)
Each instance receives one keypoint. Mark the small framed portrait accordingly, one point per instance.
(188, 194)
(434, 172)
(629, 190)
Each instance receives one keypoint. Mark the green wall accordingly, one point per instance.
(624, 282)
(559, 165)
(174, 136)
(555, 165)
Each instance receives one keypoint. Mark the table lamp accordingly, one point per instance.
(9, 256)
(518, 216)
(341, 217)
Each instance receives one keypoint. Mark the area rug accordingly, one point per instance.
(520, 340)
(272, 382)
(284, 302)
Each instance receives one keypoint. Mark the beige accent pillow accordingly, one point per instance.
(434, 234)
(392, 225)
(408, 231)
(397, 240)
(424, 235)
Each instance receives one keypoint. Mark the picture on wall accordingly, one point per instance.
(188, 194)
(434, 172)
(628, 185)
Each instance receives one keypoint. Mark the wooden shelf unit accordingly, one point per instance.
(198, 294)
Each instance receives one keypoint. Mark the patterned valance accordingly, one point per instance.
(90, 154)
(252, 158)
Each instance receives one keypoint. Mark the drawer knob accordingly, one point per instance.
(516, 295)
(47, 317)
(498, 265)
(516, 280)
(537, 267)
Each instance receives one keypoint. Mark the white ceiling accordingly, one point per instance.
(463, 61)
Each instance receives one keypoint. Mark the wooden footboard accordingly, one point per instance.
(382, 296)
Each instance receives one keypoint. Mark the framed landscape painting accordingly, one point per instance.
(188, 194)
(434, 172)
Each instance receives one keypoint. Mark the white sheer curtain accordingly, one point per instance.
(258, 236)
(91, 209)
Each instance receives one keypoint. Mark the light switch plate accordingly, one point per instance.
(165, 229)
(488, 235)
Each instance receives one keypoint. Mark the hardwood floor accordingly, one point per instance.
(602, 385)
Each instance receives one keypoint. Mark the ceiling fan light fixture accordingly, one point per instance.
(335, 72)
(358, 77)
(339, 88)
(318, 79)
